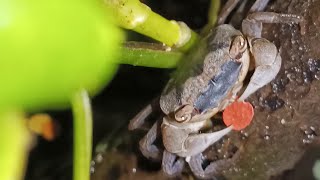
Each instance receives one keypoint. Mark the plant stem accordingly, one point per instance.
(134, 15)
(212, 16)
(213, 12)
(82, 147)
(15, 142)
(149, 55)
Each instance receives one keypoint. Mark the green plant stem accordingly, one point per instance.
(192, 41)
(134, 15)
(213, 12)
(82, 147)
(212, 16)
(15, 142)
(149, 55)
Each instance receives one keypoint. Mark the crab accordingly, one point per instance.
(205, 83)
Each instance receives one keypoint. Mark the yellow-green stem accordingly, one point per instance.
(82, 147)
(15, 142)
(212, 16)
(134, 15)
(149, 55)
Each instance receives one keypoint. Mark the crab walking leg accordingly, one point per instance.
(213, 170)
(147, 148)
(259, 5)
(171, 165)
(266, 56)
(267, 61)
(226, 10)
(197, 143)
(140, 118)
(252, 25)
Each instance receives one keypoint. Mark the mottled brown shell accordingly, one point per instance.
(197, 70)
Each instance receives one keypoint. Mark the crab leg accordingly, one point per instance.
(267, 61)
(259, 5)
(147, 148)
(266, 56)
(140, 118)
(213, 170)
(171, 165)
(226, 10)
(252, 25)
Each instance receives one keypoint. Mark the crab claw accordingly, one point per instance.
(267, 61)
(197, 143)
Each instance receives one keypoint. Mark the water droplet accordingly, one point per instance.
(204, 157)
(92, 170)
(134, 170)
(266, 137)
(305, 141)
(310, 136)
(92, 163)
(188, 159)
(273, 103)
(224, 171)
(99, 158)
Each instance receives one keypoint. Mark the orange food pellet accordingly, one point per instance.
(238, 114)
(48, 131)
(43, 125)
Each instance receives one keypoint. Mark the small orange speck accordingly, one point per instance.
(48, 131)
(43, 125)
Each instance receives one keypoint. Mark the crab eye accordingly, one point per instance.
(183, 113)
(183, 118)
(240, 42)
(238, 46)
